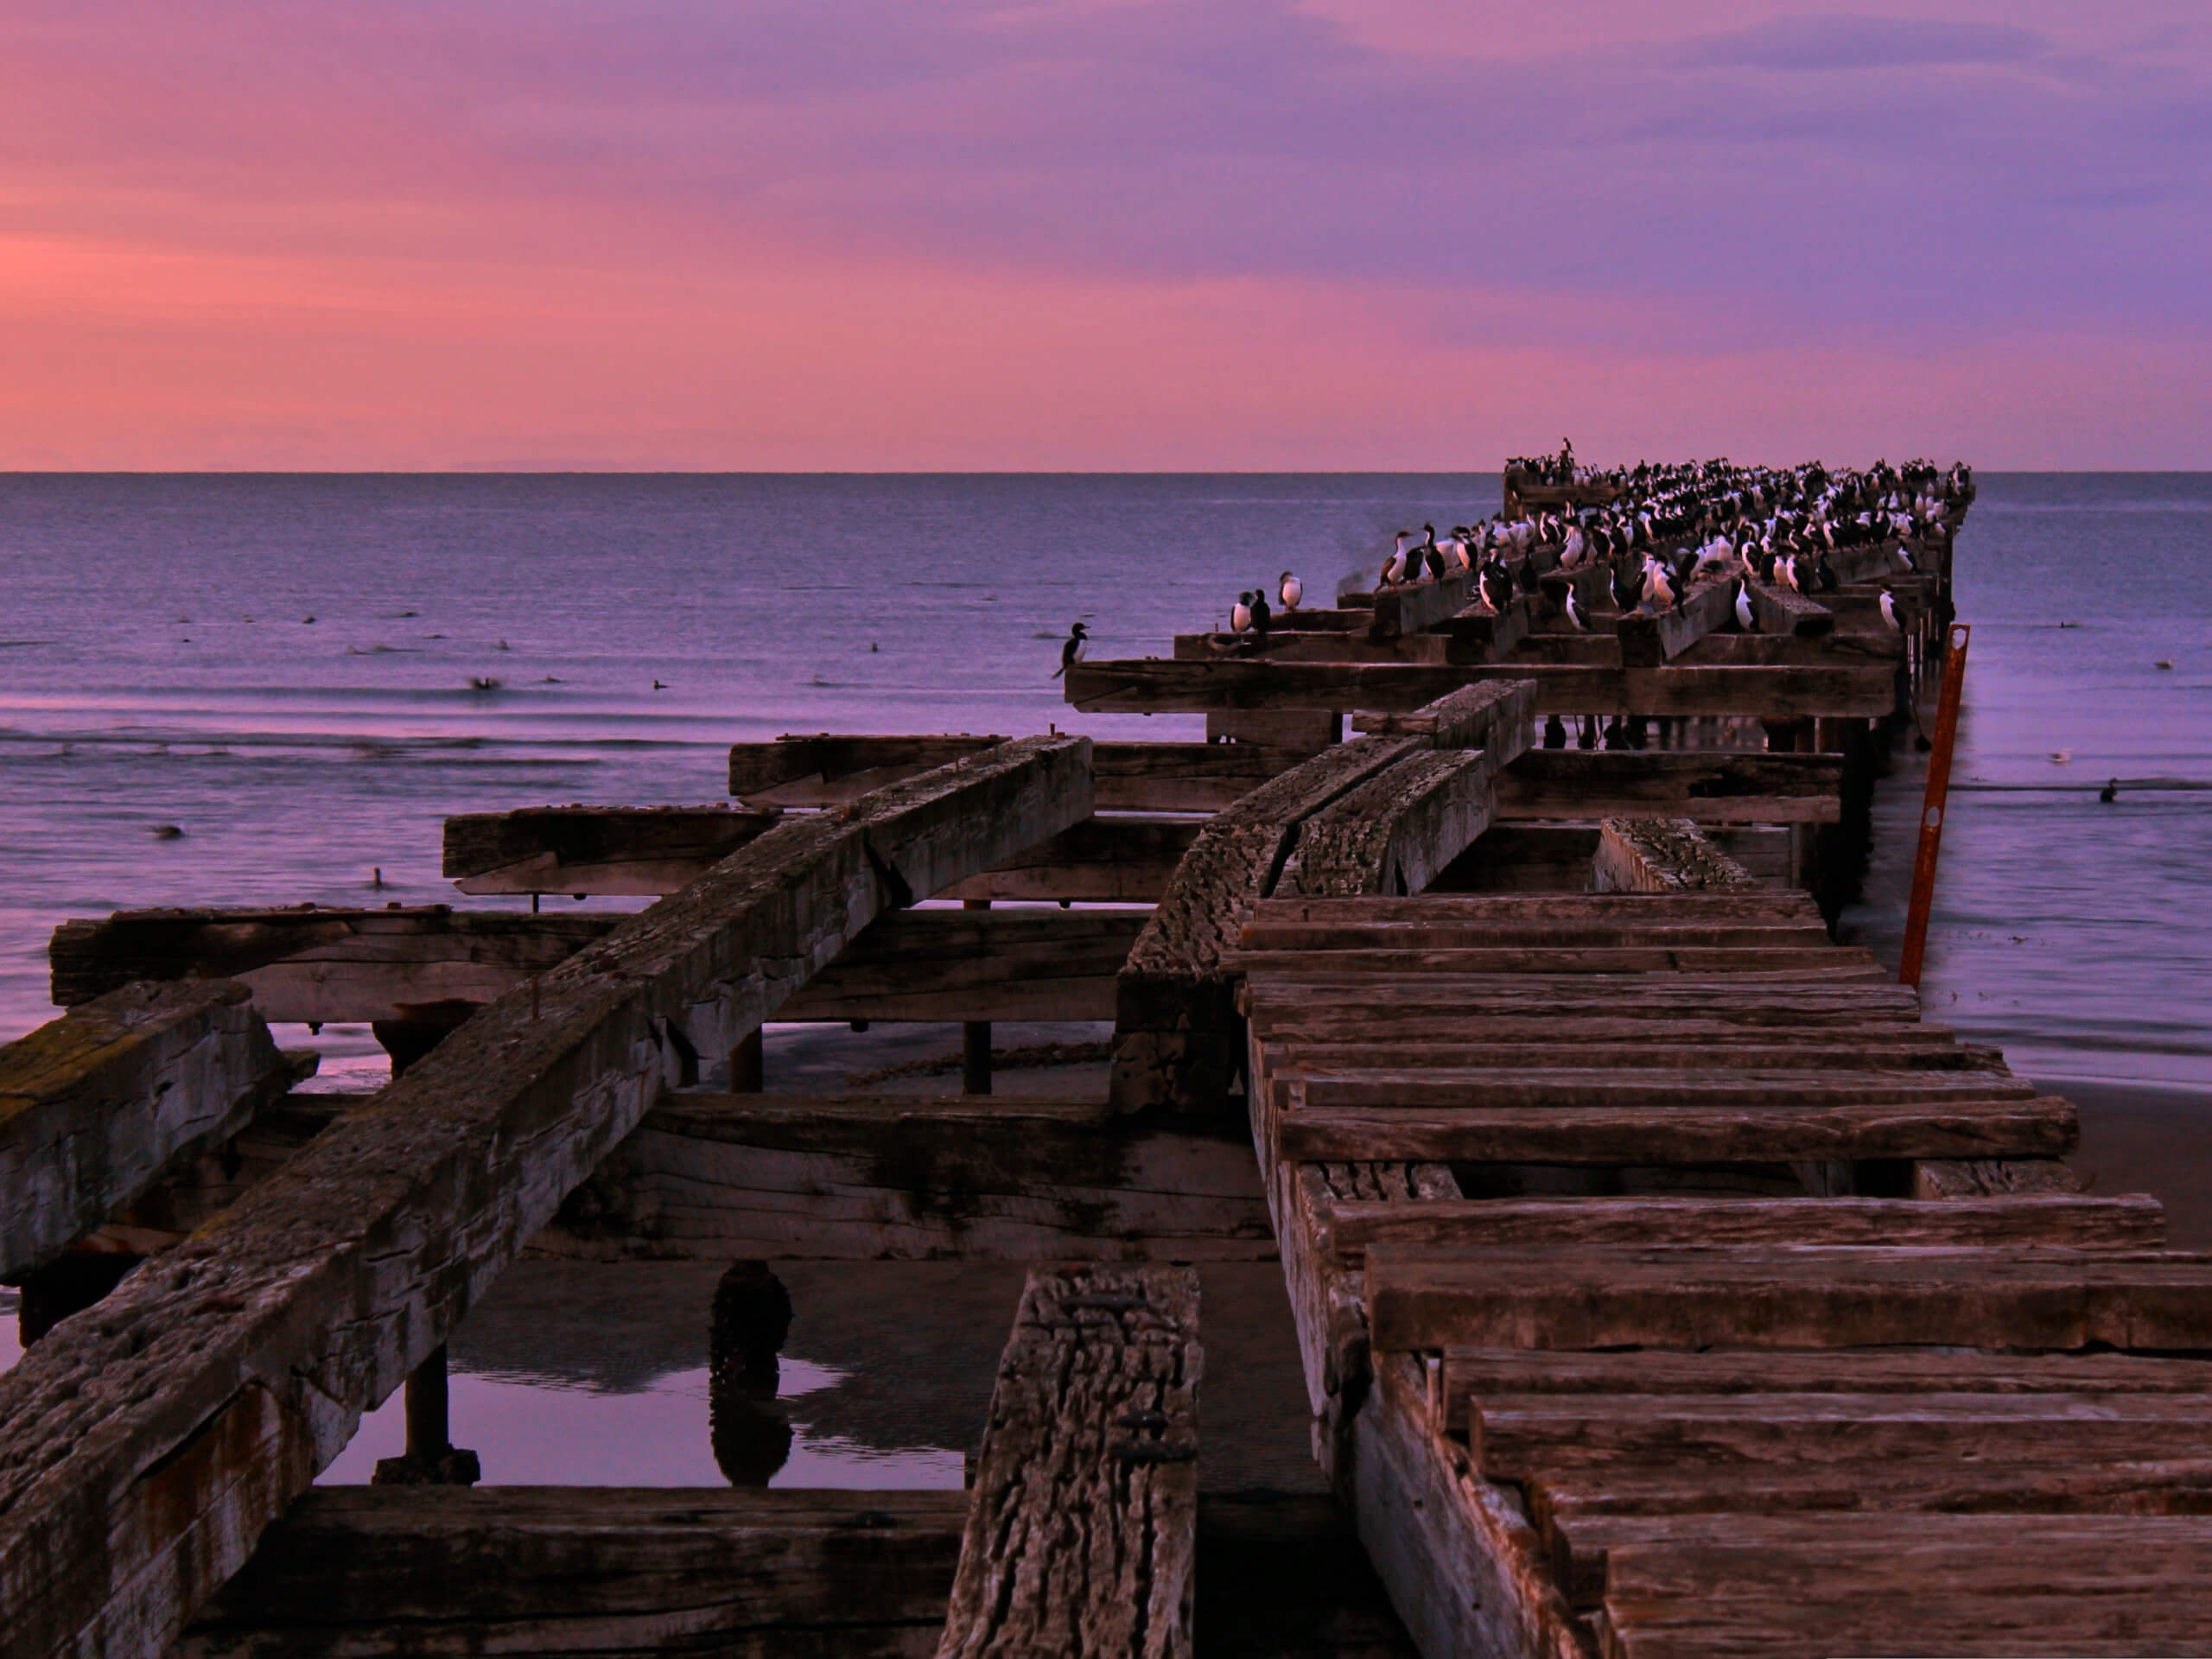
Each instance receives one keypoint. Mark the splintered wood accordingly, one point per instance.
(1083, 1521)
(1749, 1315)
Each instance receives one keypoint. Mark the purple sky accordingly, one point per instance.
(1101, 234)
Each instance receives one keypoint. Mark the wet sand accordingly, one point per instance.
(2137, 1139)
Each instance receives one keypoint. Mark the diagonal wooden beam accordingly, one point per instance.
(143, 1452)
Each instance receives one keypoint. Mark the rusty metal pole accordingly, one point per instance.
(1931, 811)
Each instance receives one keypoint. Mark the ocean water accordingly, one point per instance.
(304, 675)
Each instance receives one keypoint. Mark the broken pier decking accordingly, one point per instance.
(1662, 1282)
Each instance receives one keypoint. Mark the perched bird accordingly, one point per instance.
(1497, 584)
(1393, 567)
(1658, 584)
(1747, 616)
(1071, 648)
(1290, 591)
(1428, 554)
(1627, 586)
(1261, 616)
(1889, 604)
(1239, 614)
(1577, 618)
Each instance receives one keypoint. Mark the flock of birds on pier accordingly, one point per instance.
(1663, 529)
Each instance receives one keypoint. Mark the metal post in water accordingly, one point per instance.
(976, 1038)
(1931, 811)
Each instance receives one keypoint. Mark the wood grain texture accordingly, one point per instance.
(1082, 1530)
(1150, 685)
(1648, 640)
(1664, 855)
(1395, 833)
(1492, 716)
(940, 964)
(1805, 1297)
(885, 1178)
(144, 1450)
(627, 850)
(95, 1106)
(1706, 786)
(352, 1572)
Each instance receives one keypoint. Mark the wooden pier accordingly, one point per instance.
(1664, 1283)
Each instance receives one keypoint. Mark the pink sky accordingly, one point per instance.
(1100, 234)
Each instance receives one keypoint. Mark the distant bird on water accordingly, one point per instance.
(1071, 648)
(1290, 591)
(2110, 792)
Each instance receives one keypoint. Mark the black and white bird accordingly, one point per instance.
(1497, 584)
(1393, 567)
(1889, 604)
(1747, 618)
(1290, 591)
(1577, 618)
(1428, 554)
(1627, 586)
(1071, 648)
(1239, 614)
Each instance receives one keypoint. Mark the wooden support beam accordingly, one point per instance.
(1493, 716)
(826, 769)
(448, 1573)
(1395, 833)
(313, 964)
(1756, 1297)
(1417, 606)
(1647, 640)
(142, 1453)
(860, 1177)
(1625, 1137)
(2136, 1222)
(1177, 1038)
(1465, 1569)
(1705, 786)
(628, 851)
(975, 965)
(1146, 686)
(1187, 777)
(1379, 1084)
(1664, 855)
(95, 1106)
(1100, 861)
(1082, 1531)
(1785, 611)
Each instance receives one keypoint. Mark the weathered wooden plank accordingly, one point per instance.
(608, 850)
(826, 769)
(1988, 1178)
(1783, 610)
(1274, 930)
(1493, 716)
(1580, 1549)
(1082, 1532)
(1648, 640)
(314, 964)
(1776, 1298)
(1720, 1047)
(2133, 1224)
(1456, 961)
(1102, 860)
(1187, 777)
(885, 1178)
(1465, 1569)
(1512, 1437)
(1177, 1039)
(95, 1105)
(1417, 604)
(1664, 855)
(1921, 1584)
(1761, 999)
(1150, 685)
(1397, 832)
(352, 1572)
(142, 1452)
(1706, 786)
(941, 964)
(1828, 1370)
(1631, 1136)
(1772, 906)
(1373, 1085)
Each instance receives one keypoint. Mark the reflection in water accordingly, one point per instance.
(752, 1432)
